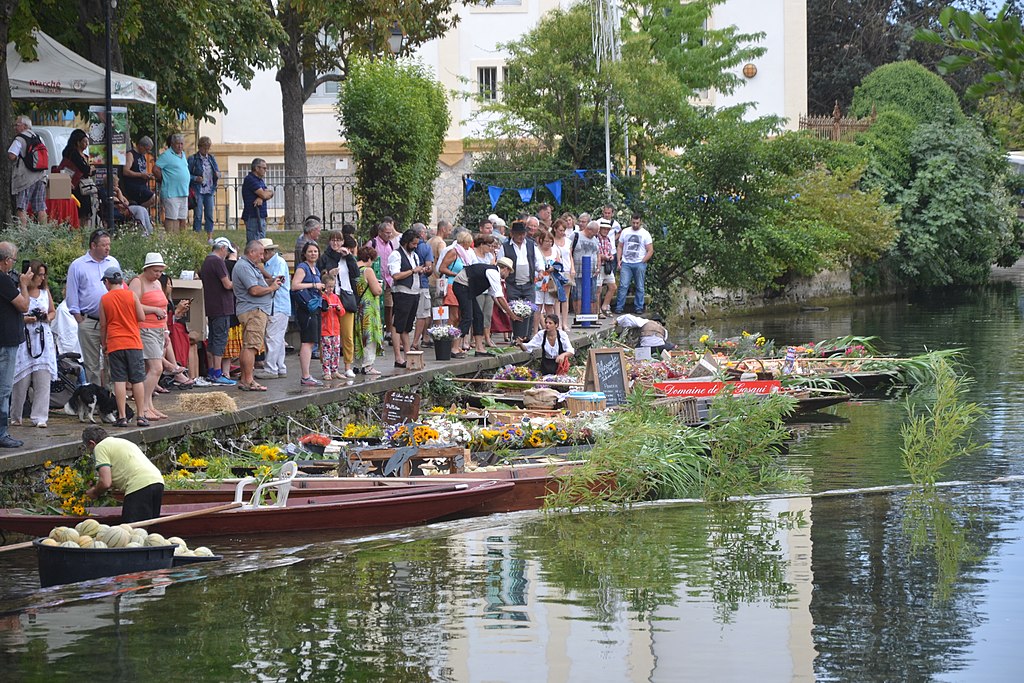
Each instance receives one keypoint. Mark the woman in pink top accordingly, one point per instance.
(153, 329)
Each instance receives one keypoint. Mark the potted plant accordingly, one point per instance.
(525, 310)
(443, 336)
(315, 443)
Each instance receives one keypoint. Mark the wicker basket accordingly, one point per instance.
(585, 401)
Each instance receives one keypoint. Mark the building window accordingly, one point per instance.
(487, 82)
(274, 179)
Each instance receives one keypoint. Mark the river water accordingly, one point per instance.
(884, 587)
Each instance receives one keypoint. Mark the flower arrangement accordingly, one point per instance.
(186, 460)
(358, 431)
(519, 373)
(402, 435)
(522, 308)
(321, 440)
(181, 479)
(68, 485)
(444, 332)
(451, 432)
(269, 452)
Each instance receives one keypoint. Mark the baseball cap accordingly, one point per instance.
(113, 273)
(222, 242)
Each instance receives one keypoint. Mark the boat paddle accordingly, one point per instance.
(149, 522)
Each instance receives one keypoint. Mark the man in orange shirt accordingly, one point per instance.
(120, 314)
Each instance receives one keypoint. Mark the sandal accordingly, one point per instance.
(160, 390)
(141, 422)
(182, 386)
(251, 387)
(121, 422)
(371, 371)
(403, 364)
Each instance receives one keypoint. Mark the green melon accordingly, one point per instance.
(88, 527)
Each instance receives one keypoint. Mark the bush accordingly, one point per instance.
(394, 115)
(54, 244)
(909, 88)
(887, 144)
(181, 251)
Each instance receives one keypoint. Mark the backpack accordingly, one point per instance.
(35, 154)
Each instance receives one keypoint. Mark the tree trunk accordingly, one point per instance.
(289, 76)
(6, 113)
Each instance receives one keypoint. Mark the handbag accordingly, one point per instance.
(87, 187)
(315, 303)
(348, 302)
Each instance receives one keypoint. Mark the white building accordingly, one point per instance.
(252, 125)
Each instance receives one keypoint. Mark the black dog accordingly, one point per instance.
(90, 400)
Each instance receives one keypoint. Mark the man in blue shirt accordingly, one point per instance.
(85, 288)
(423, 312)
(255, 195)
(172, 172)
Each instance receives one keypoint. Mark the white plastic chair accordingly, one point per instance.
(282, 485)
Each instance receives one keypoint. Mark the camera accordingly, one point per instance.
(38, 313)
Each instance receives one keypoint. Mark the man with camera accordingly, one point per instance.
(13, 307)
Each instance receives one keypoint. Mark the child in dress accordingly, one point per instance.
(330, 330)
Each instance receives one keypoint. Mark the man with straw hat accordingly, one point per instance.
(277, 325)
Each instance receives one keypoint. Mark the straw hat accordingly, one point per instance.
(268, 243)
(154, 259)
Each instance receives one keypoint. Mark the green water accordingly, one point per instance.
(885, 587)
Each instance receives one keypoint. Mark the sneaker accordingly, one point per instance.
(8, 441)
(226, 381)
(310, 382)
(202, 382)
(265, 374)
(283, 373)
(350, 373)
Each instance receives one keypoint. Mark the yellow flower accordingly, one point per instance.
(760, 341)
(704, 339)
(48, 464)
(745, 333)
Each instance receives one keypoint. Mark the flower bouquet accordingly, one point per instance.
(511, 376)
(444, 332)
(523, 308)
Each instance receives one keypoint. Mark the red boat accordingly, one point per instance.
(397, 507)
(532, 483)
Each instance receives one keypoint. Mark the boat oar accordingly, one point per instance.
(148, 522)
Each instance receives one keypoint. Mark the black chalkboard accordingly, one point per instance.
(399, 407)
(607, 368)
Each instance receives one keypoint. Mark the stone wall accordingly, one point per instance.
(824, 288)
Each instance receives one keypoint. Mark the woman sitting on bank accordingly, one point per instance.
(556, 349)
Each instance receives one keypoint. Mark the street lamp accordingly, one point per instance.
(396, 39)
(108, 129)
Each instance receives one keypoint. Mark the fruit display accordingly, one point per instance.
(89, 534)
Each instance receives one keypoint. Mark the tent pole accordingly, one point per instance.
(108, 128)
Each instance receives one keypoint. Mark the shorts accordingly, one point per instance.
(309, 325)
(142, 504)
(405, 311)
(608, 278)
(254, 328)
(154, 339)
(389, 298)
(217, 339)
(127, 365)
(175, 208)
(34, 195)
(136, 195)
(423, 310)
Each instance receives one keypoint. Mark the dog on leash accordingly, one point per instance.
(91, 400)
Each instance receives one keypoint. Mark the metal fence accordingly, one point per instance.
(329, 197)
(836, 127)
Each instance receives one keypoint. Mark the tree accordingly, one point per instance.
(996, 44)
(908, 88)
(395, 116)
(318, 39)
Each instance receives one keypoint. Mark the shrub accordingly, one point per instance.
(909, 88)
(395, 116)
(181, 251)
(54, 244)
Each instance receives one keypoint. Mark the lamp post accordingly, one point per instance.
(396, 39)
(108, 128)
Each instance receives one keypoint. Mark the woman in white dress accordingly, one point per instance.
(36, 364)
(547, 291)
(564, 244)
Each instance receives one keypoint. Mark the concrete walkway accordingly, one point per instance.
(61, 439)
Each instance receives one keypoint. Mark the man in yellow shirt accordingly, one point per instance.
(121, 465)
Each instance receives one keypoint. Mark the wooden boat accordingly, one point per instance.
(377, 509)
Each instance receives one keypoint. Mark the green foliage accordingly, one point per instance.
(440, 390)
(1005, 117)
(957, 219)
(394, 116)
(741, 211)
(53, 244)
(181, 251)
(942, 431)
(994, 43)
(911, 89)
(887, 143)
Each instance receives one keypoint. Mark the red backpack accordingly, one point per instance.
(35, 154)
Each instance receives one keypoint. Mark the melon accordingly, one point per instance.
(98, 545)
(155, 540)
(203, 551)
(127, 527)
(133, 544)
(89, 527)
(85, 541)
(181, 550)
(178, 541)
(49, 541)
(63, 533)
(139, 536)
(70, 544)
(103, 527)
(117, 537)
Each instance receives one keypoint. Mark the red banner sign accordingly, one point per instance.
(706, 389)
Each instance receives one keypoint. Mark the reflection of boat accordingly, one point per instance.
(817, 401)
(375, 509)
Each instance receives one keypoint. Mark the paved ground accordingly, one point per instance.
(62, 437)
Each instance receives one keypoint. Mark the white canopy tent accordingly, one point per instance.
(60, 74)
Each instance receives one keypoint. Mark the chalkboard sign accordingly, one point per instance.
(606, 372)
(399, 407)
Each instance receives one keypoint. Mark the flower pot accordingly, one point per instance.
(443, 348)
(314, 448)
(521, 329)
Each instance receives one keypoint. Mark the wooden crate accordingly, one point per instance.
(379, 457)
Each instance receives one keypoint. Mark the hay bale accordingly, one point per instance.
(212, 402)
